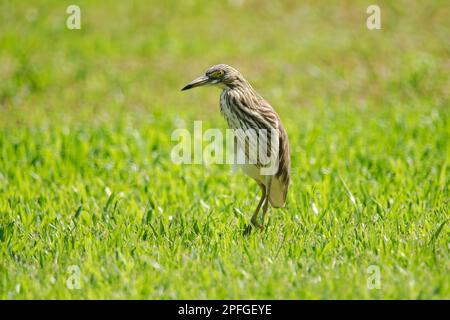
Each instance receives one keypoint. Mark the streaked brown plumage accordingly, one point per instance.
(243, 108)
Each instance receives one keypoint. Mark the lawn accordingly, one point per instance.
(92, 207)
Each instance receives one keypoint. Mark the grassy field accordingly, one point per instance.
(86, 178)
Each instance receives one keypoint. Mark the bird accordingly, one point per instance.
(245, 110)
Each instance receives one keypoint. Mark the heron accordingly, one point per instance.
(244, 109)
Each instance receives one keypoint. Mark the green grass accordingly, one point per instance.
(86, 177)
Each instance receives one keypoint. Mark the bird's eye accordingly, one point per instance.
(217, 74)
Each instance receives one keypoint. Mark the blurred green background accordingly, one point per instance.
(86, 178)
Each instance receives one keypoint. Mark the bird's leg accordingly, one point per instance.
(261, 201)
(266, 202)
(254, 221)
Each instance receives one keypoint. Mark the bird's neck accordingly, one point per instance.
(243, 85)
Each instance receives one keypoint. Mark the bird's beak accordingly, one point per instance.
(200, 81)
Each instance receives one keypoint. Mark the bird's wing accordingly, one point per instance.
(259, 133)
(280, 181)
(273, 157)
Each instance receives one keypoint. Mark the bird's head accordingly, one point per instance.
(221, 75)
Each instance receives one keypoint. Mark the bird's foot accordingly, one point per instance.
(251, 226)
(248, 230)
